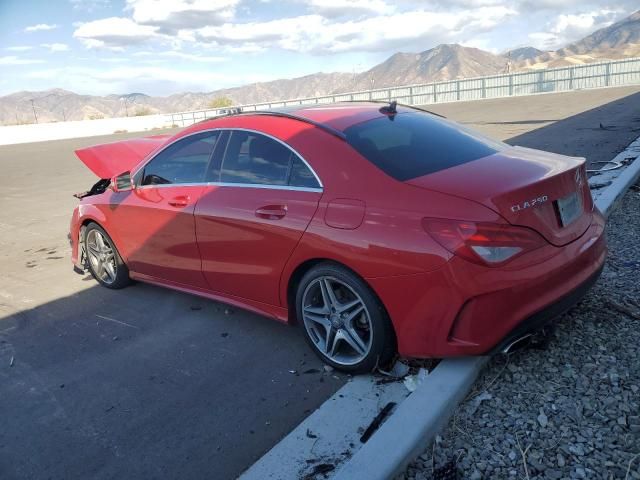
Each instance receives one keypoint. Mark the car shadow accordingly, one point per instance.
(146, 382)
(597, 134)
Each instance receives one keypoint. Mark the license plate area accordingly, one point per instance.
(569, 208)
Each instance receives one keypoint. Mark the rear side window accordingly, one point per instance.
(413, 144)
(183, 162)
(252, 158)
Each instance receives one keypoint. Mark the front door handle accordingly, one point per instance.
(271, 212)
(179, 201)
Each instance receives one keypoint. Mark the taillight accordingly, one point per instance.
(490, 244)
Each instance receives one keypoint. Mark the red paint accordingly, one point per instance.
(242, 245)
(110, 159)
(345, 213)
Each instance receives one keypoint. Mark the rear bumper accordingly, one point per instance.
(539, 319)
(468, 309)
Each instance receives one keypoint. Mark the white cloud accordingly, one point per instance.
(316, 34)
(89, 5)
(173, 15)
(13, 60)
(55, 47)
(351, 8)
(113, 33)
(192, 57)
(40, 27)
(152, 80)
(566, 28)
(19, 48)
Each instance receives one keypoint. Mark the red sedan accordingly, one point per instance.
(378, 229)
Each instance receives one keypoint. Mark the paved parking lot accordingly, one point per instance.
(145, 382)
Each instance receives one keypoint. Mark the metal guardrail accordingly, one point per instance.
(561, 79)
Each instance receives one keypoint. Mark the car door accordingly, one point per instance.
(251, 216)
(156, 218)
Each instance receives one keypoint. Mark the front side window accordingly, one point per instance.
(255, 159)
(183, 162)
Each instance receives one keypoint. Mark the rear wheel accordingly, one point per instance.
(104, 261)
(344, 322)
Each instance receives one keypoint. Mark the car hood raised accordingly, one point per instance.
(110, 159)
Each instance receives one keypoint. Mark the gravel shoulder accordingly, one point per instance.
(568, 407)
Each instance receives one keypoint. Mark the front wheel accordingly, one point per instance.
(344, 322)
(104, 261)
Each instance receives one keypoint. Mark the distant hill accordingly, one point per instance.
(620, 40)
(618, 37)
(523, 53)
(443, 62)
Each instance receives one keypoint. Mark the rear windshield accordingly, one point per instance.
(413, 144)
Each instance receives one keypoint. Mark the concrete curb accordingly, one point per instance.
(416, 420)
(329, 432)
(620, 180)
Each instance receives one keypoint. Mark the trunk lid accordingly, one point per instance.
(540, 190)
(110, 159)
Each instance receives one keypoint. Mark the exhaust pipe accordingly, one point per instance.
(518, 343)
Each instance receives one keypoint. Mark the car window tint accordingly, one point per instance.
(253, 158)
(301, 176)
(213, 172)
(183, 162)
(410, 145)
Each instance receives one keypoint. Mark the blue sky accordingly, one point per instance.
(160, 47)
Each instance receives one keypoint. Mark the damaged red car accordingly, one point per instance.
(379, 229)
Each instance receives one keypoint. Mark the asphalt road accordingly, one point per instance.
(149, 383)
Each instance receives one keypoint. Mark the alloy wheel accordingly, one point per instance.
(337, 320)
(101, 256)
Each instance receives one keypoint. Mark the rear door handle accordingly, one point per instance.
(271, 212)
(179, 201)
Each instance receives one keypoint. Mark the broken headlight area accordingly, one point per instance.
(99, 187)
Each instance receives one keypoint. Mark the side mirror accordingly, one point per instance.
(122, 182)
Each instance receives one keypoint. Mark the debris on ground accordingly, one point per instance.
(375, 424)
(320, 469)
(397, 371)
(413, 381)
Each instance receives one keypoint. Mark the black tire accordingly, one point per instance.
(380, 336)
(121, 278)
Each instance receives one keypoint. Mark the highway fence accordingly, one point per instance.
(560, 79)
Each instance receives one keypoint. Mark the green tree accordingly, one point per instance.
(220, 102)
(142, 111)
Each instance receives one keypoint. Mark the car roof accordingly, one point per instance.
(339, 116)
(334, 118)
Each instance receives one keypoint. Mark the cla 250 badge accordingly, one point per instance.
(529, 203)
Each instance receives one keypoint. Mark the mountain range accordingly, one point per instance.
(443, 62)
